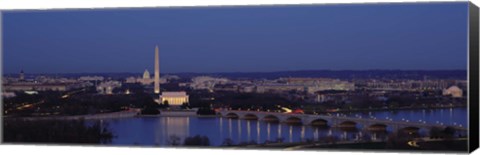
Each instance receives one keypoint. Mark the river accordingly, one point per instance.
(157, 131)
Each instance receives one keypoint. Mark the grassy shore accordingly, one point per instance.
(448, 145)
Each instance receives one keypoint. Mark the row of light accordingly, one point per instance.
(405, 120)
(390, 119)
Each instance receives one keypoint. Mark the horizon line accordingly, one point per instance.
(330, 70)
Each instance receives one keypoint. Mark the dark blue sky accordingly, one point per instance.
(238, 39)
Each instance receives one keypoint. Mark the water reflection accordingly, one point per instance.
(177, 127)
(279, 131)
(230, 128)
(157, 130)
(258, 131)
(268, 131)
(239, 127)
(248, 130)
(221, 127)
(302, 137)
(290, 134)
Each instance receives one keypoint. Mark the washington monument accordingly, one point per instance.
(157, 72)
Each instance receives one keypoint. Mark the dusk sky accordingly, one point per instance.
(425, 36)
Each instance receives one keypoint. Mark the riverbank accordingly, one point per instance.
(398, 109)
(458, 145)
(177, 113)
(439, 145)
(120, 114)
(115, 115)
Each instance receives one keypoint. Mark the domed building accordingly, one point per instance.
(146, 74)
(453, 91)
(146, 79)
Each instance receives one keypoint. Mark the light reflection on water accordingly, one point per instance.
(151, 131)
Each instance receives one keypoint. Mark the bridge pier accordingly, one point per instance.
(331, 121)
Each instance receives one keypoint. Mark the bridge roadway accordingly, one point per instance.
(333, 121)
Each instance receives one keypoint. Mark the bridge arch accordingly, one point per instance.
(250, 116)
(319, 122)
(271, 118)
(231, 115)
(348, 124)
(293, 120)
(378, 127)
(411, 130)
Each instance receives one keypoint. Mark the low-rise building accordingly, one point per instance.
(309, 85)
(176, 98)
(91, 78)
(206, 82)
(26, 86)
(453, 91)
(108, 86)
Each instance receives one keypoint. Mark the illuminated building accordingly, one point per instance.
(145, 79)
(309, 85)
(146, 74)
(8, 94)
(131, 80)
(108, 86)
(454, 91)
(91, 78)
(26, 86)
(410, 85)
(174, 98)
(206, 82)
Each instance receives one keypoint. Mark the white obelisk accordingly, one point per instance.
(157, 72)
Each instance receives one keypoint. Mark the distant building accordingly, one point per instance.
(108, 86)
(8, 94)
(408, 85)
(145, 79)
(174, 98)
(131, 80)
(226, 87)
(453, 91)
(21, 76)
(247, 89)
(27, 86)
(146, 74)
(206, 82)
(309, 85)
(171, 77)
(279, 88)
(91, 78)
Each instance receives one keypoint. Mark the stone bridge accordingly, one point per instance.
(332, 121)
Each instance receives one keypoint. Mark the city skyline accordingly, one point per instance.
(239, 39)
(291, 77)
